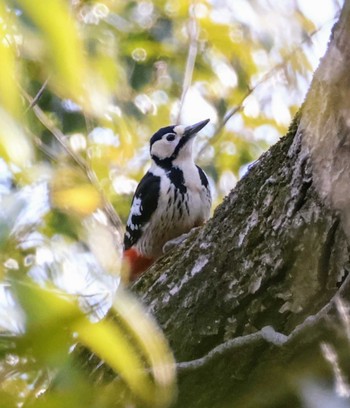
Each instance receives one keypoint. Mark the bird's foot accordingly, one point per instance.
(168, 246)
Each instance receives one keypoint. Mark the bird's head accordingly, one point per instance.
(174, 143)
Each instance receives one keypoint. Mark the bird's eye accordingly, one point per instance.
(170, 138)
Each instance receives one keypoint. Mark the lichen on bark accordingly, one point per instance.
(269, 255)
(254, 291)
(273, 255)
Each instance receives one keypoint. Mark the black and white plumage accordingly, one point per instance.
(172, 197)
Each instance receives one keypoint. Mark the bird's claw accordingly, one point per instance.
(168, 246)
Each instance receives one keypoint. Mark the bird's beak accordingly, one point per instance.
(191, 131)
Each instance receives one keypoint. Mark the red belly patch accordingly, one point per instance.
(137, 263)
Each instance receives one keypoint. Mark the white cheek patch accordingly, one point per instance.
(179, 130)
(162, 149)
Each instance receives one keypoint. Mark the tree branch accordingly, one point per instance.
(268, 334)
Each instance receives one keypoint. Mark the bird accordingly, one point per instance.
(172, 197)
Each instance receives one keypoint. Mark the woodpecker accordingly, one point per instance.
(171, 199)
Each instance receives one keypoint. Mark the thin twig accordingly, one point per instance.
(43, 147)
(193, 32)
(60, 137)
(38, 95)
(230, 113)
(267, 334)
(56, 132)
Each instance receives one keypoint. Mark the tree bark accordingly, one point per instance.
(246, 301)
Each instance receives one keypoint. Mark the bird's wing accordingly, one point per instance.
(207, 193)
(143, 205)
(203, 177)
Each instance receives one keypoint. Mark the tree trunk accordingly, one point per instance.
(246, 301)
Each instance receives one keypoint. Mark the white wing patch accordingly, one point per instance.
(136, 210)
(136, 206)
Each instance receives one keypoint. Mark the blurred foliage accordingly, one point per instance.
(83, 86)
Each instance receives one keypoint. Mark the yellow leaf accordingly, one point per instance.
(14, 144)
(56, 22)
(71, 192)
(82, 200)
(9, 90)
(152, 343)
(111, 345)
(48, 312)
